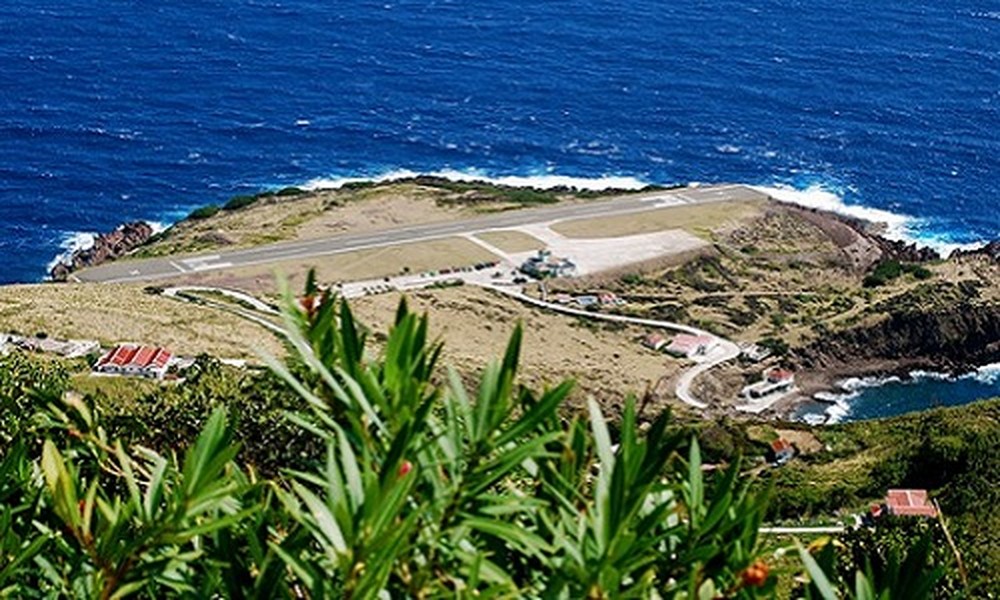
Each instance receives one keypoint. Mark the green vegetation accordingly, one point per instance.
(472, 192)
(205, 212)
(238, 202)
(887, 270)
(951, 452)
(367, 474)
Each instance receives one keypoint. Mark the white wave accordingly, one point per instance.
(836, 413)
(856, 384)
(728, 149)
(84, 240)
(989, 374)
(71, 244)
(899, 227)
(547, 181)
(934, 375)
(814, 419)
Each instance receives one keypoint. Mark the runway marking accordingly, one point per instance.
(191, 262)
(204, 267)
(322, 247)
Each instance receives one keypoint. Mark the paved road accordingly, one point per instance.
(794, 530)
(725, 350)
(159, 268)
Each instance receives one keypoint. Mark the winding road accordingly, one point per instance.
(724, 350)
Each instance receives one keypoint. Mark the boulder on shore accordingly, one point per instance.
(107, 247)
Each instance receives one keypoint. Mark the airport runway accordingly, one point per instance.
(172, 266)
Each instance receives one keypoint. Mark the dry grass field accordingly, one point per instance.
(311, 215)
(510, 240)
(348, 266)
(112, 313)
(607, 361)
(701, 220)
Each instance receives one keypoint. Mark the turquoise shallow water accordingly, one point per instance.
(121, 109)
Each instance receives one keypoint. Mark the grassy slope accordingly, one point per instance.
(113, 313)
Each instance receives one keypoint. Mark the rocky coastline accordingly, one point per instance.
(106, 247)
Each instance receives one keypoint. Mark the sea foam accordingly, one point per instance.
(898, 226)
(541, 181)
(71, 244)
(79, 241)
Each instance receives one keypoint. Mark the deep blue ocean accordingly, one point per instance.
(119, 109)
(116, 110)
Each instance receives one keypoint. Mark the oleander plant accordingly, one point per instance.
(422, 486)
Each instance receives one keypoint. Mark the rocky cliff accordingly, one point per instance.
(990, 250)
(955, 338)
(106, 247)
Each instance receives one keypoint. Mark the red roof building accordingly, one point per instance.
(654, 341)
(133, 359)
(689, 346)
(779, 375)
(909, 503)
(782, 451)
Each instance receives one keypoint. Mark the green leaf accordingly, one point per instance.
(816, 575)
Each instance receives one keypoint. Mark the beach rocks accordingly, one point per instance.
(903, 252)
(106, 247)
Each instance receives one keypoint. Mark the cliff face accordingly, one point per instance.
(960, 336)
(107, 247)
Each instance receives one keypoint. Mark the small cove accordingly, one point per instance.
(863, 398)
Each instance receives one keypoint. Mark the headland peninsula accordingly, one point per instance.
(818, 294)
(717, 303)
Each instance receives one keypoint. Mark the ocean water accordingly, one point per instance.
(120, 109)
(872, 398)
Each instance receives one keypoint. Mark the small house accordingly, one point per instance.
(782, 451)
(908, 503)
(686, 345)
(136, 360)
(543, 265)
(609, 299)
(775, 381)
(755, 353)
(654, 341)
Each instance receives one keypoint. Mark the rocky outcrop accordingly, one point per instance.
(106, 247)
(990, 250)
(958, 338)
(903, 252)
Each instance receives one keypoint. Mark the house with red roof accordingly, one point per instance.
(136, 360)
(906, 503)
(687, 345)
(654, 341)
(782, 451)
(775, 381)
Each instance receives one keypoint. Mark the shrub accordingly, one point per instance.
(238, 202)
(290, 191)
(204, 212)
(426, 488)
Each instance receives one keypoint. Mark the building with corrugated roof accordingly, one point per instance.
(136, 360)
